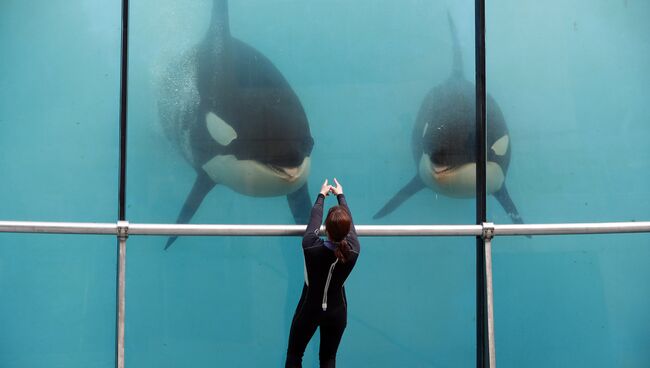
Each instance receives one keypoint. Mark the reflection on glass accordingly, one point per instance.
(58, 301)
(572, 301)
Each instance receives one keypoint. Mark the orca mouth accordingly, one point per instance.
(441, 169)
(290, 173)
(257, 179)
(458, 180)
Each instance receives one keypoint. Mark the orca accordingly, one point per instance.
(443, 143)
(236, 121)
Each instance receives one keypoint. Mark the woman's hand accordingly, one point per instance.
(325, 188)
(338, 189)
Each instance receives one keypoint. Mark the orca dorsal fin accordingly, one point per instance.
(457, 61)
(219, 22)
(215, 65)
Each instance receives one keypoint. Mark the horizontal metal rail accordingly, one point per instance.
(228, 229)
(58, 227)
(575, 229)
(293, 230)
(297, 230)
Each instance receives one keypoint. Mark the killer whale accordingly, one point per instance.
(443, 143)
(236, 121)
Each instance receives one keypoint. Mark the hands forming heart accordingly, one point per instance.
(326, 189)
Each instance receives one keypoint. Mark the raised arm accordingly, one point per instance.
(338, 190)
(315, 218)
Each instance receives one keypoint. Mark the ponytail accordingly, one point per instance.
(342, 251)
(337, 224)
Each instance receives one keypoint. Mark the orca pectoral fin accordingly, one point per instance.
(413, 186)
(202, 186)
(300, 205)
(508, 205)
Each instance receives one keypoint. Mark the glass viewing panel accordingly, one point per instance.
(572, 301)
(227, 128)
(571, 80)
(229, 301)
(300, 92)
(59, 99)
(58, 301)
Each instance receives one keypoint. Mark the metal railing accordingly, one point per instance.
(297, 230)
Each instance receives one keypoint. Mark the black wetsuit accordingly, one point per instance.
(323, 301)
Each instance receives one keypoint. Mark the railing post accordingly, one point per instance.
(488, 234)
(122, 235)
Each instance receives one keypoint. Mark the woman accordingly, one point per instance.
(327, 265)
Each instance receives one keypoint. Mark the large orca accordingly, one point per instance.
(444, 143)
(236, 120)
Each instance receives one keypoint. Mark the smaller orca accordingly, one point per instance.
(444, 143)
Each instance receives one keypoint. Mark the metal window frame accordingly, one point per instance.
(483, 355)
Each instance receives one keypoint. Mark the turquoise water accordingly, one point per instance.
(570, 80)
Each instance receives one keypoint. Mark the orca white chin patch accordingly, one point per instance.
(255, 179)
(459, 182)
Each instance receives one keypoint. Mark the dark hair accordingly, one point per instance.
(337, 224)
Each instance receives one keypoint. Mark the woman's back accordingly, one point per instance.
(322, 265)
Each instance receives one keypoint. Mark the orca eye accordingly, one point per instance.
(500, 147)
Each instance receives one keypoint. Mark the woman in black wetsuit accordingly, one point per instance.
(327, 265)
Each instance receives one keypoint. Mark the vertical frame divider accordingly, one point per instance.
(123, 110)
(482, 357)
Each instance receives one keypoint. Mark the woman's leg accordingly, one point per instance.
(331, 331)
(302, 329)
